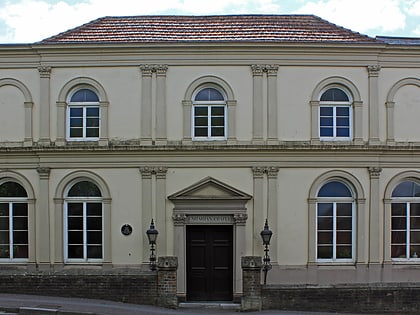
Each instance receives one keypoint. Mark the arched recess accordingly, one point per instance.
(347, 85)
(397, 179)
(28, 105)
(6, 176)
(80, 83)
(59, 198)
(210, 81)
(390, 105)
(362, 217)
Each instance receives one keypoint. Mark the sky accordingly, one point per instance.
(29, 21)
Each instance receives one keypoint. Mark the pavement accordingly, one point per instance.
(47, 305)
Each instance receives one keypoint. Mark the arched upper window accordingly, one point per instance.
(405, 221)
(13, 222)
(83, 213)
(83, 113)
(335, 115)
(209, 114)
(335, 222)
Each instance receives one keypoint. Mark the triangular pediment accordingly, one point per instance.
(210, 188)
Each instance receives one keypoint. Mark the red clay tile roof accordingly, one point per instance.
(214, 28)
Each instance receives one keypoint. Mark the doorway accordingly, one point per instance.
(209, 262)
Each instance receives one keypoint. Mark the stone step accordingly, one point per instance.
(210, 305)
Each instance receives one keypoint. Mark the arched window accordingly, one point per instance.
(209, 114)
(83, 213)
(335, 223)
(13, 222)
(335, 115)
(405, 221)
(83, 116)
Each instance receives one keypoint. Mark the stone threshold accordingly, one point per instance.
(210, 305)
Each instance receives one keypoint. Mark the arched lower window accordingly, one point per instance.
(335, 115)
(83, 210)
(335, 223)
(83, 116)
(13, 222)
(209, 115)
(405, 221)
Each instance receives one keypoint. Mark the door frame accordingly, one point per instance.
(209, 202)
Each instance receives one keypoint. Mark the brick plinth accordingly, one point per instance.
(166, 286)
(251, 275)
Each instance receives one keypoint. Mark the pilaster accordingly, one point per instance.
(259, 213)
(28, 140)
(186, 117)
(61, 125)
(314, 122)
(44, 111)
(161, 136)
(160, 202)
(257, 103)
(43, 224)
(390, 136)
(358, 122)
(373, 74)
(376, 218)
(146, 205)
(272, 119)
(272, 207)
(146, 105)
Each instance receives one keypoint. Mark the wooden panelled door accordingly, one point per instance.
(210, 263)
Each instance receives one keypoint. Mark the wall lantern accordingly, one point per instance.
(152, 234)
(266, 237)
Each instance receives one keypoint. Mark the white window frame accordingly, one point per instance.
(10, 201)
(334, 106)
(407, 201)
(84, 201)
(209, 105)
(335, 201)
(84, 106)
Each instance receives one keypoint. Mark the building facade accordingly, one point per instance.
(209, 126)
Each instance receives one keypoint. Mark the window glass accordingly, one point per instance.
(407, 189)
(209, 115)
(13, 222)
(334, 95)
(12, 189)
(334, 189)
(209, 94)
(84, 95)
(84, 189)
(84, 223)
(335, 223)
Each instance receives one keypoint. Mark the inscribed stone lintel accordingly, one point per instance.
(210, 219)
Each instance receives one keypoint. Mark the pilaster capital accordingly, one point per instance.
(161, 70)
(44, 71)
(271, 70)
(240, 218)
(272, 171)
(257, 70)
(179, 219)
(374, 172)
(43, 172)
(373, 70)
(28, 104)
(357, 103)
(390, 104)
(160, 171)
(146, 171)
(314, 103)
(146, 70)
(258, 171)
(187, 103)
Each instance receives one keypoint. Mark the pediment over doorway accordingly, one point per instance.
(209, 189)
